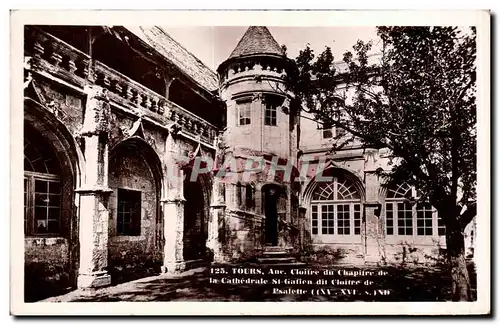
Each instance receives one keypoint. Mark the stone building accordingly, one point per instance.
(116, 123)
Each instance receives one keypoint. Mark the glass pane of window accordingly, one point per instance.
(54, 187)
(244, 112)
(41, 199)
(314, 218)
(357, 219)
(270, 114)
(41, 226)
(41, 213)
(129, 212)
(54, 213)
(53, 226)
(424, 220)
(40, 186)
(327, 218)
(389, 219)
(343, 219)
(405, 219)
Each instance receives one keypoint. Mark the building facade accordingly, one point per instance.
(137, 160)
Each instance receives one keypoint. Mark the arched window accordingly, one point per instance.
(336, 208)
(42, 187)
(404, 217)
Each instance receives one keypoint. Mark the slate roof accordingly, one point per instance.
(174, 52)
(256, 40)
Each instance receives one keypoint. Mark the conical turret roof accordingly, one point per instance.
(256, 40)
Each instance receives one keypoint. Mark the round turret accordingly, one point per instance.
(253, 86)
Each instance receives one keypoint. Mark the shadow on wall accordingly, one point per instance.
(43, 280)
(134, 265)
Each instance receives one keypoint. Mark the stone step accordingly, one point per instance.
(275, 254)
(284, 265)
(275, 249)
(270, 260)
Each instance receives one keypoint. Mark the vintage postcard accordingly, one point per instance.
(250, 162)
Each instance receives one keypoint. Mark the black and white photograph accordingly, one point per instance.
(337, 163)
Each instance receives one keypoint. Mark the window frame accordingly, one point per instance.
(325, 213)
(270, 114)
(29, 203)
(138, 214)
(244, 111)
(392, 219)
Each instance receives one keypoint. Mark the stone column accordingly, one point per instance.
(304, 237)
(94, 193)
(173, 207)
(373, 231)
(216, 225)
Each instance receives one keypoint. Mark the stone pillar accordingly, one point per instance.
(304, 237)
(216, 225)
(94, 193)
(373, 238)
(173, 208)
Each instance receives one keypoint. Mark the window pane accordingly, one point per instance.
(343, 219)
(41, 199)
(129, 212)
(327, 218)
(244, 113)
(314, 218)
(405, 220)
(40, 213)
(424, 220)
(53, 226)
(357, 219)
(41, 226)
(389, 219)
(53, 200)
(54, 187)
(54, 213)
(270, 114)
(40, 186)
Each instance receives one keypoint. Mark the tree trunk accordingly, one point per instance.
(460, 288)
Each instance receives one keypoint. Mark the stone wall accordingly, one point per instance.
(46, 269)
(242, 235)
(133, 255)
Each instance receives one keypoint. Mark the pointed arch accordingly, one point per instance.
(138, 146)
(40, 122)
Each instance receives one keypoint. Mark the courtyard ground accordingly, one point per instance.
(410, 283)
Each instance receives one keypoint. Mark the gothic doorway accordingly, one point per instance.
(274, 206)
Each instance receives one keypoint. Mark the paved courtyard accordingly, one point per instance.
(405, 284)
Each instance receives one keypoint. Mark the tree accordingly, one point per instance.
(417, 100)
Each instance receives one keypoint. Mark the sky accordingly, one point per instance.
(212, 45)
